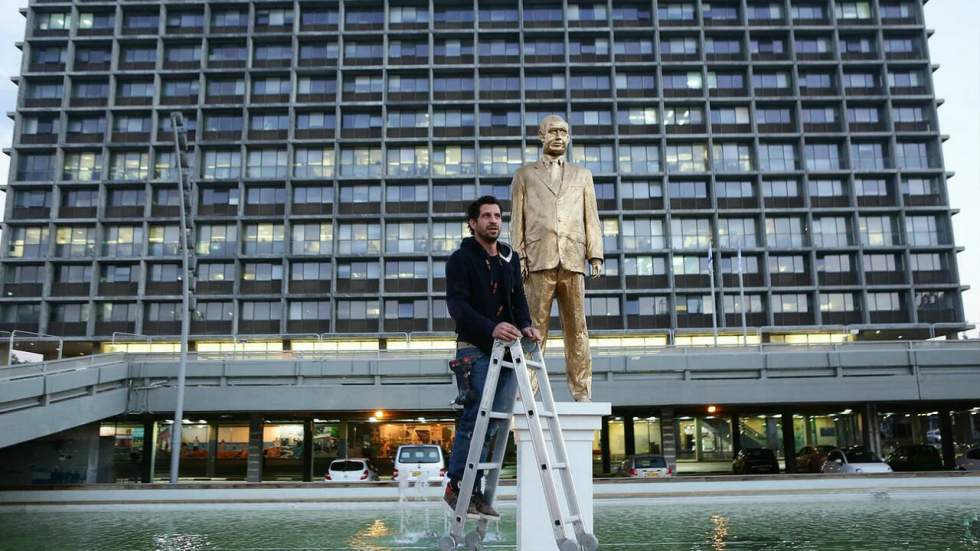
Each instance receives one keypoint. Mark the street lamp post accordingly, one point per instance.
(189, 269)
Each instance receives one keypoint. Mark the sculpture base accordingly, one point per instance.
(579, 421)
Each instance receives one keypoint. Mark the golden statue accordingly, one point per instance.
(555, 229)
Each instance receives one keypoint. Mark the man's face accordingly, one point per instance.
(487, 225)
(555, 138)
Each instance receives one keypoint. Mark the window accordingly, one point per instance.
(683, 81)
(500, 159)
(261, 311)
(776, 157)
(261, 271)
(645, 158)
(679, 46)
(676, 11)
(267, 163)
(790, 303)
(646, 116)
(406, 237)
(868, 156)
(732, 157)
(130, 165)
(35, 166)
(731, 115)
(274, 16)
(884, 302)
(736, 232)
(359, 239)
(410, 119)
(217, 240)
(831, 231)
(82, 166)
(879, 263)
(216, 271)
(360, 193)
(681, 158)
(912, 156)
(852, 10)
(315, 162)
(164, 240)
(446, 236)
(311, 271)
(313, 195)
(407, 309)
(642, 234)
(819, 115)
(408, 161)
(221, 165)
(361, 162)
(75, 241)
(358, 309)
(837, 302)
(272, 86)
(690, 233)
(70, 313)
(264, 239)
(32, 199)
(924, 231)
(786, 264)
(784, 232)
(122, 241)
(822, 156)
(644, 266)
(453, 160)
(876, 231)
(314, 238)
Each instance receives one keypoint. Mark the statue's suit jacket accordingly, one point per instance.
(555, 224)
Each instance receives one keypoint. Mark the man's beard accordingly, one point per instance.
(485, 236)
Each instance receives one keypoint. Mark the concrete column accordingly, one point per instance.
(604, 451)
(629, 434)
(736, 435)
(579, 421)
(789, 443)
(308, 449)
(253, 472)
(698, 424)
(210, 468)
(92, 439)
(668, 437)
(946, 435)
(808, 435)
(149, 451)
(871, 433)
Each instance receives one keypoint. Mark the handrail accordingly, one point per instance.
(13, 335)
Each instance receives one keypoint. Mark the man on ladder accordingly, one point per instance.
(485, 297)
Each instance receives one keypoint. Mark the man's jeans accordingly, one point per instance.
(503, 401)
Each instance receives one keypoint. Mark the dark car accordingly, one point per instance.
(755, 460)
(915, 457)
(810, 458)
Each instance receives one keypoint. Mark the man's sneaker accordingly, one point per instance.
(482, 507)
(452, 496)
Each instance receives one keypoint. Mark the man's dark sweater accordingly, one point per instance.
(482, 291)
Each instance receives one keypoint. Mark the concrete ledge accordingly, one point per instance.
(97, 495)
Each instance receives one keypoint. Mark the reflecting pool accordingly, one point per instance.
(825, 523)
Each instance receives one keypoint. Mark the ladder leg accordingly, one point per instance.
(560, 451)
(477, 443)
(544, 464)
(503, 403)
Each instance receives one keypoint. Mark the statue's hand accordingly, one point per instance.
(524, 271)
(596, 264)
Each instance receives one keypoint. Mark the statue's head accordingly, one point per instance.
(554, 136)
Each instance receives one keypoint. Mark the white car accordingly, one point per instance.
(354, 469)
(419, 461)
(969, 461)
(646, 466)
(854, 460)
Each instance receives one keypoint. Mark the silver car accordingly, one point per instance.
(854, 460)
(969, 461)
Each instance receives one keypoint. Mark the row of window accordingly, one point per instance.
(921, 264)
(769, 46)
(489, 160)
(147, 20)
(419, 309)
(633, 234)
(590, 119)
(628, 83)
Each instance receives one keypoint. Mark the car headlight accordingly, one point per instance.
(858, 470)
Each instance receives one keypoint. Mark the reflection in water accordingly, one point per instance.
(366, 539)
(719, 533)
(180, 542)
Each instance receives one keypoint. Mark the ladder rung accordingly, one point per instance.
(573, 518)
(487, 466)
(538, 365)
(545, 414)
(559, 466)
(499, 415)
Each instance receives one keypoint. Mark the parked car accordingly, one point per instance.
(810, 459)
(755, 460)
(413, 462)
(969, 461)
(645, 466)
(915, 457)
(354, 469)
(854, 460)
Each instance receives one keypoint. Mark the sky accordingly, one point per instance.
(955, 48)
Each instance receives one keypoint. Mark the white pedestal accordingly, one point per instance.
(579, 421)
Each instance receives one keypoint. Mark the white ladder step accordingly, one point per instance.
(499, 415)
(488, 466)
(559, 466)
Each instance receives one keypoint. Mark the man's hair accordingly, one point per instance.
(473, 211)
(545, 122)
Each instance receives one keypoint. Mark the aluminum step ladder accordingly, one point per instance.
(514, 355)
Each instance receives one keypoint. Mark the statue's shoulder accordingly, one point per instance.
(582, 169)
(525, 169)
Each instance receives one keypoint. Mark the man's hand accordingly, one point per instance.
(532, 334)
(506, 332)
(596, 264)
(524, 272)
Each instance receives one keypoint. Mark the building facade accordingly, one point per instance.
(770, 167)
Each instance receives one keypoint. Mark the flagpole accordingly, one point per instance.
(714, 305)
